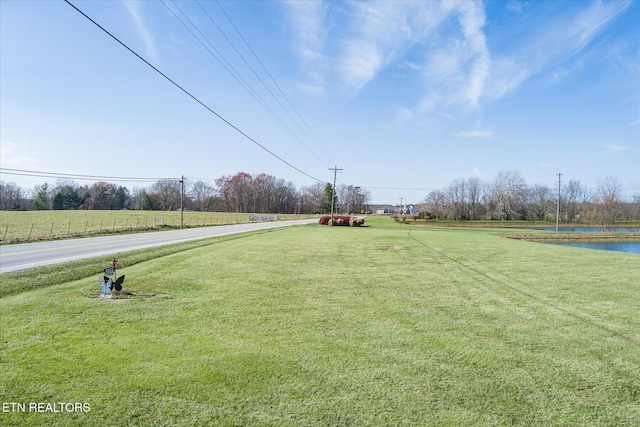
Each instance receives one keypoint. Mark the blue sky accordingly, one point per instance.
(405, 97)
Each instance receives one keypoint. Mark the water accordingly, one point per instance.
(587, 229)
(631, 247)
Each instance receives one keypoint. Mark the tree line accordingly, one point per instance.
(242, 192)
(508, 197)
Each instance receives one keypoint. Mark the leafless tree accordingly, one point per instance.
(573, 195)
(509, 195)
(607, 202)
(203, 196)
(476, 190)
(312, 197)
(11, 197)
(166, 193)
(539, 202)
(435, 203)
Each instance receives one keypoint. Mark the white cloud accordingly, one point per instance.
(10, 158)
(515, 6)
(353, 42)
(476, 134)
(613, 148)
(135, 11)
(442, 45)
(554, 42)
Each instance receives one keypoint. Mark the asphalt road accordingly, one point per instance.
(30, 255)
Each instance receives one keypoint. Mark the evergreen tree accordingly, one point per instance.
(325, 206)
(66, 199)
(41, 202)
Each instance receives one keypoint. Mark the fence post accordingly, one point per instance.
(30, 231)
(101, 222)
(6, 230)
(86, 224)
(69, 229)
(51, 232)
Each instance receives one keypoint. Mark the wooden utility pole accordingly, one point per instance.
(558, 206)
(333, 193)
(182, 203)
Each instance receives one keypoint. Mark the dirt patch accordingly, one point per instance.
(125, 295)
(394, 248)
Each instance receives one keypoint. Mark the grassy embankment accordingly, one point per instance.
(18, 227)
(385, 325)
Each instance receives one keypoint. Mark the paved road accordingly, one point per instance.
(29, 255)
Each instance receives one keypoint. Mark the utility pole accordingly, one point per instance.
(401, 206)
(182, 203)
(333, 195)
(558, 206)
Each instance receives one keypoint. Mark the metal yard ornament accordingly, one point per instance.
(107, 284)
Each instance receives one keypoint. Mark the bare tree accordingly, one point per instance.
(573, 195)
(475, 191)
(312, 197)
(435, 203)
(457, 199)
(203, 196)
(10, 196)
(607, 202)
(166, 192)
(509, 195)
(539, 203)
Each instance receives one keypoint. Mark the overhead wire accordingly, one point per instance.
(24, 172)
(226, 64)
(307, 132)
(317, 141)
(218, 56)
(191, 95)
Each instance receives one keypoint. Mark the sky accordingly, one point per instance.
(402, 97)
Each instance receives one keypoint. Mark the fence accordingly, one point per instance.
(40, 231)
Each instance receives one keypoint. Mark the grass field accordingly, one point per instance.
(16, 227)
(382, 325)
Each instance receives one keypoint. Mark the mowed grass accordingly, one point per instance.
(384, 325)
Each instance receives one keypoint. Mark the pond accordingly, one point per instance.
(588, 229)
(632, 247)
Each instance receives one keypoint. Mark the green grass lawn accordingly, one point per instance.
(382, 325)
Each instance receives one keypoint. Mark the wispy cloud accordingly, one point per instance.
(135, 11)
(10, 158)
(476, 134)
(613, 148)
(352, 43)
(443, 45)
(549, 46)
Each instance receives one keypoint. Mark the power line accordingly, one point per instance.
(220, 58)
(190, 95)
(43, 174)
(317, 140)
